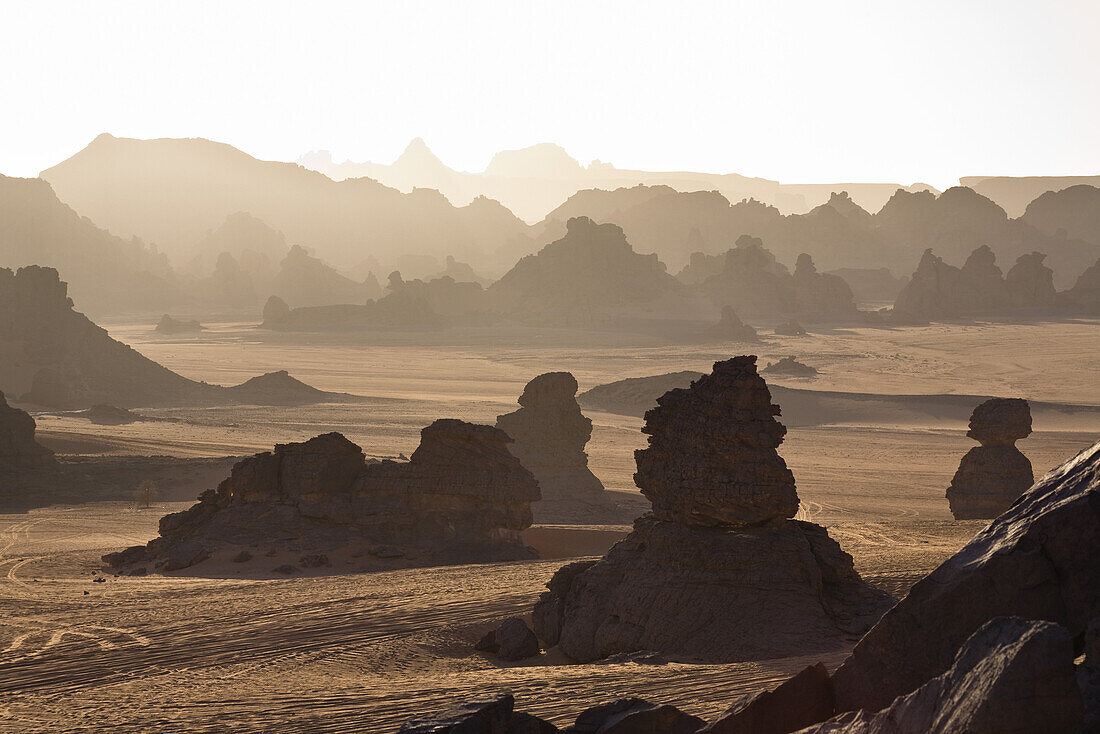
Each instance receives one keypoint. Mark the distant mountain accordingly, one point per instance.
(1073, 212)
(838, 234)
(534, 180)
(304, 280)
(173, 191)
(1014, 193)
(107, 273)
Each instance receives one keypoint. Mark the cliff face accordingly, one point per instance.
(18, 449)
(462, 497)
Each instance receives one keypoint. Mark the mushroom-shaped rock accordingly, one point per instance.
(716, 571)
(991, 476)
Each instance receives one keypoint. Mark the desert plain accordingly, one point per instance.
(215, 648)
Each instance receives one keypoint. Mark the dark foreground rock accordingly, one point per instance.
(512, 640)
(1037, 560)
(549, 434)
(805, 699)
(493, 716)
(462, 497)
(791, 367)
(634, 716)
(991, 476)
(1012, 675)
(717, 571)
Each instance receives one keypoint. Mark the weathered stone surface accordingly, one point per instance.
(549, 434)
(18, 449)
(461, 497)
(711, 459)
(805, 699)
(1012, 675)
(1000, 421)
(1030, 284)
(716, 571)
(991, 476)
(634, 716)
(1034, 561)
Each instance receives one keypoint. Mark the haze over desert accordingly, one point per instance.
(619, 402)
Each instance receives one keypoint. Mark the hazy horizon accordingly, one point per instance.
(798, 93)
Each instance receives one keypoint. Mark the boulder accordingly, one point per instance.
(1011, 675)
(549, 434)
(634, 716)
(462, 497)
(805, 699)
(512, 640)
(18, 448)
(1032, 561)
(491, 716)
(991, 476)
(717, 571)
(169, 325)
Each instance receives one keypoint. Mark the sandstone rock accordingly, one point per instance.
(805, 699)
(462, 497)
(512, 640)
(730, 327)
(550, 433)
(1028, 562)
(790, 366)
(109, 415)
(712, 456)
(491, 716)
(634, 716)
(991, 476)
(18, 449)
(1011, 675)
(1085, 293)
(821, 296)
(716, 571)
(276, 311)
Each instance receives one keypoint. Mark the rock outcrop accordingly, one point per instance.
(491, 716)
(730, 327)
(549, 434)
(992, 476)
(716, 570)
(1084, 296)
(1034, 561)
(1011, 675)
(18, 449)
(803, 700)
(169, 325)
(791, 367)
(1030, 284)
(790, 328)
(462, 497)
(512, 640)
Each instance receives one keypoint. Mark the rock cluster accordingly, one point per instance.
(549, 434)
(18, 449)
(718, 546)
(169, 325)
(462, 497)
(991, 476)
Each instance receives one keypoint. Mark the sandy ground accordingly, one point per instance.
(362, 652)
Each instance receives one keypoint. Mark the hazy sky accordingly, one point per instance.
(810, 91)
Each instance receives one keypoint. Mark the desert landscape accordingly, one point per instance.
(709, 369)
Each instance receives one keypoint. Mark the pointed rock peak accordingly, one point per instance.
(805, 265)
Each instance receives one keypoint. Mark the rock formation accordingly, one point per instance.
(634, 716)
(730, 327)
(748, 582)
(462, 497)
(169, 325)
(1030, 283)
(1084, 296)
(591, 276)
(993, 475)
(1031, 562)
(306, 281)
(52, 355)
(18, 449)
(1011, 675)
(820, 295)
(549, 434)
(512, 640)
(790, 328)
(805, 699)
(791, 367)
(492, 716)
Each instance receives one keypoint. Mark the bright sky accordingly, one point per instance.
(807, 91)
